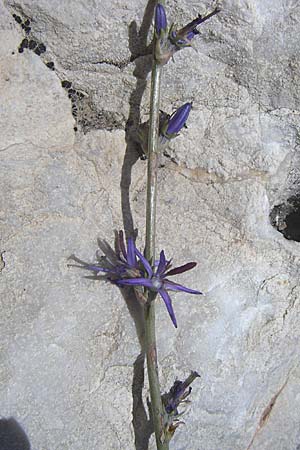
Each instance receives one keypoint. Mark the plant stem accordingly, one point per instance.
(158, 411)
(153, 154)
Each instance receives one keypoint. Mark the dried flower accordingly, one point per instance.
(178, 393)
(158, 282)
(118, 264)
(183, 37)
(173, 399)
(174, 123)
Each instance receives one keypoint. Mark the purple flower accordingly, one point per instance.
(183, 37)
(118, 264)
(157, 280)
(176, 121)
(160, 20)
(167, 44)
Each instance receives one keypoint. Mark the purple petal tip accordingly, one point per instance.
(160, 19)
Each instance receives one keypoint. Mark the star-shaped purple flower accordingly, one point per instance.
(157, 280)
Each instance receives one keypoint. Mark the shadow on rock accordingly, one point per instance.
(12, 435)
(141, 55)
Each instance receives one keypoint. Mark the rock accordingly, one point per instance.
(71, 173)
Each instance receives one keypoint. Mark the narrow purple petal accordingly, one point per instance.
(177, 121)
(191, 34)
(181, 269)
(145, 262)
(162, 263)
(160, 19)
(178, 287)
(131, 253)
(168, 302)
(136, 282)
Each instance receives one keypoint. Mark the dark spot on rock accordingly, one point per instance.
(37, 51)
(285, 217)
(17, 18)
(71, 91)
(23, 26)
(20, 49)
(42, 48)
(27, 23)
(75, 129)
(27, 30)
(32, 44)
(24, 43)
(66, 84)
(50, 65)
(12, 53)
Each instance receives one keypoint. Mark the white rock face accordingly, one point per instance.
(68, 344)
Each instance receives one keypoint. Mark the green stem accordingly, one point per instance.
(158, 411)
(153, 154)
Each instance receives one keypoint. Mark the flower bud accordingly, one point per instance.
(160, 20)
(176, 121)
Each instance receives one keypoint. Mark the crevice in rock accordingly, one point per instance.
(76, 96)
(86, 114)
(29, 42)
(84, 111)
(125, 62)
(285, 217)
(118, 64)
(89, 118)
(2, 261)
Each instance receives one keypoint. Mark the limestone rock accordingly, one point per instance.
(71, 173)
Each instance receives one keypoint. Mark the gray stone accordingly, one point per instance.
(68, 344)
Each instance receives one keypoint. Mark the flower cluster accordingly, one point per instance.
(129, 267)
(168, 43)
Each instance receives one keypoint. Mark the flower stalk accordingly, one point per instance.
(126, 265)
(158, 411)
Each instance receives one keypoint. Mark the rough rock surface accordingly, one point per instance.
(70, 174)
